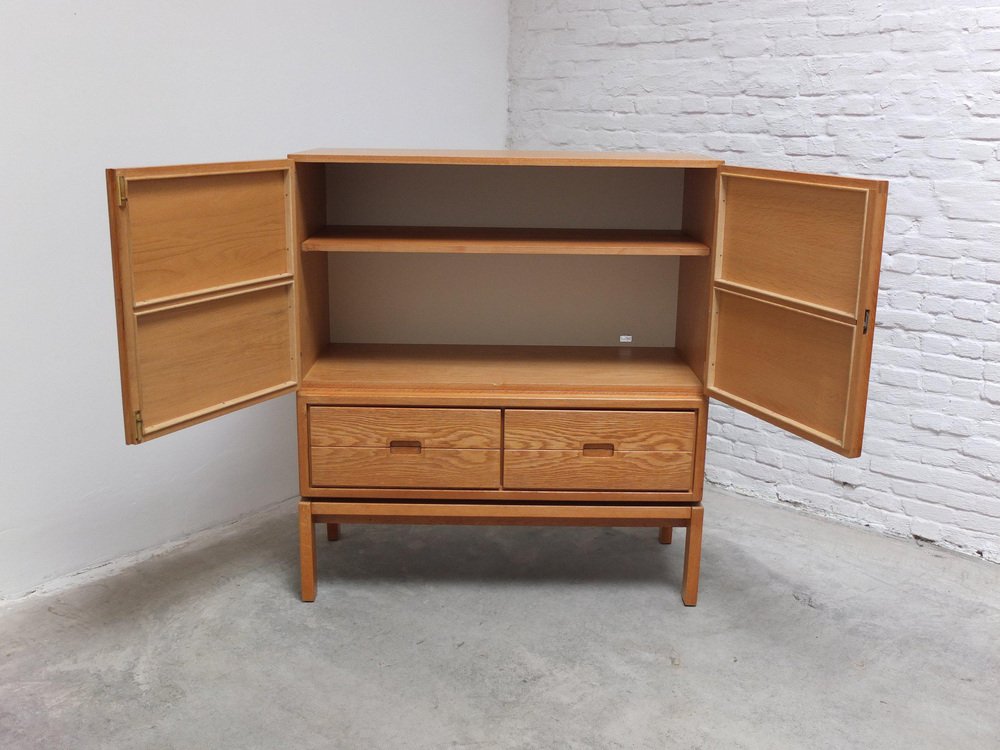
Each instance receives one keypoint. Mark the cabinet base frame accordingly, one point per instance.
(313, 511)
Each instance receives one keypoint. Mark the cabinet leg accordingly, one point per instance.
(307, 551)
(332, 532)
(692, 557)
(666, 534)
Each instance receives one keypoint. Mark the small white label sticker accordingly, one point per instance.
(624, 339)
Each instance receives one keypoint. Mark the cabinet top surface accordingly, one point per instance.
(506, 158)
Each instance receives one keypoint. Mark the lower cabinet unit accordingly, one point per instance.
(237, 282)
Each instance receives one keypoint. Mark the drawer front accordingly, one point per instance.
(537, 429)
(406, 448)
(599, 450)
(405, 466)
(573, 470)
(370, 427)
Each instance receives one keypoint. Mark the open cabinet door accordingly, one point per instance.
(794, 287)
(204, 288)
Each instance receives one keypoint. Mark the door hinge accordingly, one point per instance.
(138, 427)
(864, 328)
(122, 190)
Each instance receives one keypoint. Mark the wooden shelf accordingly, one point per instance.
(499, 376)
(500, 240)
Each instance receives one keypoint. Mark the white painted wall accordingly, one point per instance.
(908, 91)
(88, 85)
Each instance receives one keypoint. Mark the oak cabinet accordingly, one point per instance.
(449, 409)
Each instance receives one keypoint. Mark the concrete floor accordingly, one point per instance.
(808, 635)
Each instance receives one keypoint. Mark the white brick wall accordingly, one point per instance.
(907, 90)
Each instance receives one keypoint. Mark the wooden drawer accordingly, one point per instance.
(354, 426)
(538, 429)
(453, 468)
(397, 447)
(599, 450)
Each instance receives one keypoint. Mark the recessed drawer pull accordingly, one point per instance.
(598, 449)
(404, 446)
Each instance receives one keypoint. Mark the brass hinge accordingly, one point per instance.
(122, 190)
(138, 427)
(864, 328)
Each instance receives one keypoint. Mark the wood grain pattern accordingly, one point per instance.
(700, 447)
(211, 293)
(794, 239)
(189, 233)
(698, 211)
(376, 427)
(692, 557)
(192, 170)
(611, 519)
(174, 268)
(785, 364)
(121, 270)
(313, 288)
(505, 157)
(571, 469)
(302, 440)
(499, 375)
(694, 282)
(509, 398)
(472, 513)
(809, 308)
(800, 290)
(195, 359)
(506, 495)
(307, 552)
(380, 467)
(867, 303)
(552, 429)
(501, 240)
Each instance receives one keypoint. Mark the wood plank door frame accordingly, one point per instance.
(174, 263)
(807, 251)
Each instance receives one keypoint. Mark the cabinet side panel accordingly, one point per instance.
(302, 420)
(701, 443)
(695, 277)
(313, 286)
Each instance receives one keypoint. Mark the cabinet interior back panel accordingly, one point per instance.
(495, 299)
(560, 197)
(502, 299)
